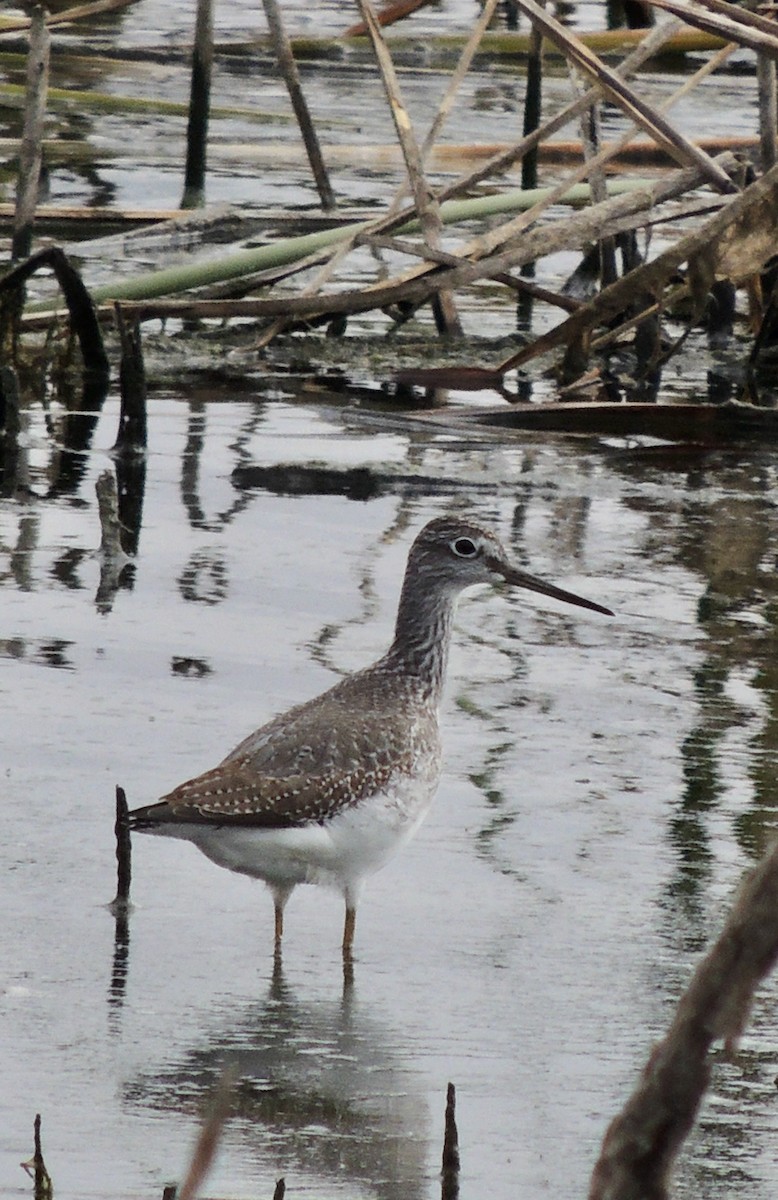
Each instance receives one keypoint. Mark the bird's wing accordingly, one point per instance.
(234, 794)
(310, 762)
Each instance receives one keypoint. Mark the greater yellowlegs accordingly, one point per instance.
(329, 791)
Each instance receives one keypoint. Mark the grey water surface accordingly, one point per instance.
(606, 784)
(607, 781)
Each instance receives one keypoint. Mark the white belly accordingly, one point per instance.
(339, 852)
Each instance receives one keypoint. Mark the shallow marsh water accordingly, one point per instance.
(606, 781)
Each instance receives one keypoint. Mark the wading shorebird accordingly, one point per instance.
(327, 792)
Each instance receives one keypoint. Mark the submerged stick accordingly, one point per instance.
(291, 77)
(32, 134)
(113, 561)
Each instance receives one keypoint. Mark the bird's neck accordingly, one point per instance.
(422, 638)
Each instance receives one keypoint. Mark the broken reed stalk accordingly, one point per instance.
(458, 74)
(291, 77)
(199, 108)
(518, 284)
(388, 15)
(734, 24)
(642, 1143)
(500, 162)
(649, 46)
(389, 219)
(488, 243)
(562, 235)
(32, 134)
(734, 243)
(13, 458)
(660, 130)
(426, 203)
(169, 280)
(532, 111)
(113, 561)
(165, 282)
(110, 526)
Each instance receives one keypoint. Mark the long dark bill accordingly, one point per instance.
(521, 579)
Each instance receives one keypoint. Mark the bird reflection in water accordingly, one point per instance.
(324, 1093)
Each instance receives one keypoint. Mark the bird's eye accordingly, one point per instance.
(464, 547)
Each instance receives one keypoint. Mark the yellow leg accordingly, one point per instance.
(348, 931)
(280, 897)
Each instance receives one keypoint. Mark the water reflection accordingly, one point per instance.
(192, 463)
(324, 1095)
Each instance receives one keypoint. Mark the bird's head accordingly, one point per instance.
(453, 553)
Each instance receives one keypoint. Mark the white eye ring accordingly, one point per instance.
(464, 547)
